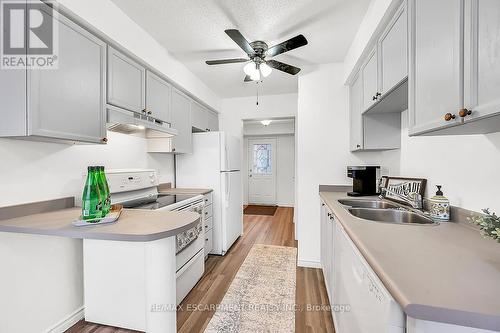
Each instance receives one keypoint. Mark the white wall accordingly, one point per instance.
(323, 150)
(35, 171)
(234, 110)
(466, 166)
(285, 169)
(41, 276)
(108, 18)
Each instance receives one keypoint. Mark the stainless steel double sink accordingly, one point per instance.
(383, 211)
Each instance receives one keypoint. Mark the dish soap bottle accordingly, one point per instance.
(439, 206)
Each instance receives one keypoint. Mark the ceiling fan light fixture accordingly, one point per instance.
(250, 68)
(255, 76)
(265, 69)
(266, 122)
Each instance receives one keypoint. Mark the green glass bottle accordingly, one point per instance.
(91, 199)
(104, 190)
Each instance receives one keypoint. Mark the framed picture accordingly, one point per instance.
(403, 187)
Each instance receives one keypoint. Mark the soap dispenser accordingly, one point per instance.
(439, 206)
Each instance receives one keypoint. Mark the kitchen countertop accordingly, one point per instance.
(133, 225)
(163, 190)
(445, 273)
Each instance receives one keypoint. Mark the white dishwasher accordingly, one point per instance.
(370, 306)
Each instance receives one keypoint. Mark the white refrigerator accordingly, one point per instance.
(216, 164)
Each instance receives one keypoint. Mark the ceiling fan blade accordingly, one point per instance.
(288, 45)
(240, 40)
(226, 61)
(283, 67)
(247, 79)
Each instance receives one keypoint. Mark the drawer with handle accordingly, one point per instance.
(208, 199)
(208, 242)
(208, 223)
(208, 211)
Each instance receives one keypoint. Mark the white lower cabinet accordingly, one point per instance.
(327, 241)
(360, 303)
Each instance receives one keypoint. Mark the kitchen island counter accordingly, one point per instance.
(132, 226)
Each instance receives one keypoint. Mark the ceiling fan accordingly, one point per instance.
(257, 51)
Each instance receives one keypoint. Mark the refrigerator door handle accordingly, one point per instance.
(228, 188)
(226, 158)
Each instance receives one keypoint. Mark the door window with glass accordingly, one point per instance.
(262, 159)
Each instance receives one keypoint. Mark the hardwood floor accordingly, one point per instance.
(198, 307)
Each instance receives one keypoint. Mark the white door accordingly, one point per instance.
(262, 171)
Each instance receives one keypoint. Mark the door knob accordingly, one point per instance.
(250, 176)
(464, 113)
(449, 116)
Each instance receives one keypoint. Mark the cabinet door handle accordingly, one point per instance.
(173, 149)
(464, 113)
(149, 111)
(374, 98)
(104, 140)
(358, 146)
(449, 116)
(378, 94)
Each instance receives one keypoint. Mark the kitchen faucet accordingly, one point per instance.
(415, 199)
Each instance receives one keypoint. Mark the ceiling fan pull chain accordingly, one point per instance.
(257, 93)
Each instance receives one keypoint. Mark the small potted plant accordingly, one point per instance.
(489, 223)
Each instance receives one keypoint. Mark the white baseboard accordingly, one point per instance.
(67, 322)
(308, 264)
(285, 205)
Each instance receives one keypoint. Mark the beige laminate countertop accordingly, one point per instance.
(446, 273)
(133, 225)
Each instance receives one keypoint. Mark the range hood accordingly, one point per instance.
(128, 122)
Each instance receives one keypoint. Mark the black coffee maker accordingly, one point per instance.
(364, 180)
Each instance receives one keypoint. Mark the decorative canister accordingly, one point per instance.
(439, 206)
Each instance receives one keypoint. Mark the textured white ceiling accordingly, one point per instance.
(193, 31)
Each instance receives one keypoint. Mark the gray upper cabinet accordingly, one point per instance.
(393, 52)
(435, 78)
(454, 76)
(158, 94)
(67, 103)
(370, 80)
(126, 82)
(181, 121)
(199, 116)
(356, 107)
(212, 121)
(482, 62)
(204, 119)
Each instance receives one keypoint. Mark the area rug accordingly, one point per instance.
(261, 297)
(260, 210)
